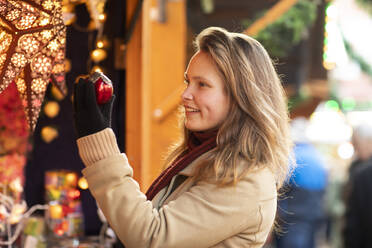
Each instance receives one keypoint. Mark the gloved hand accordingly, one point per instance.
(89, 117)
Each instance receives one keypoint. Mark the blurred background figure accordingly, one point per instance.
(358, 191)
(301, 209)
(362, 142)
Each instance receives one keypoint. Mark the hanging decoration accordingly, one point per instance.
(32, 50)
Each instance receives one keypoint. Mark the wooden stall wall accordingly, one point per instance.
(155, 66)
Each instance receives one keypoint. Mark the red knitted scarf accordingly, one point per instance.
(199, 143)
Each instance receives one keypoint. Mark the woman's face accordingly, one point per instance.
(205, 100)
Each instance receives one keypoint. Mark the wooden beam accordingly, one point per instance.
(271, 16)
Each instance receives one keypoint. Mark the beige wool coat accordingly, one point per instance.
(195, 214)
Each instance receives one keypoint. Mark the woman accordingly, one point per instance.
(219, 189)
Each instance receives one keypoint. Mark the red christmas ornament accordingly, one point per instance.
(103, 86)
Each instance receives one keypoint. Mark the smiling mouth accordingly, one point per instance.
(191, 110)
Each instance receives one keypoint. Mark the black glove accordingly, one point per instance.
(89, 117)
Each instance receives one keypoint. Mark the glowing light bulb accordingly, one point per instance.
(51, 109)
(98, 55)
(71, 179)
(100, 44)
(102, 17)
(48, 134)
(83, 183)
(97, 68)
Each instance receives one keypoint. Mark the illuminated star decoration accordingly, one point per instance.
(32, 50)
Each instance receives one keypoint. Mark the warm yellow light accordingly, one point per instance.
(67, 65)
(42, 65)
(102, 17)
(97, 68)
(26, 21)
(2, 58)
(19, 60)
(44, 21)
(38, 85)
(71, 179)
(56, 93)
(48, 134)
(46, 34)
(329, 65)
(98, 55)
(10, 74)
(29, 44)
(51, 109)
(55, 211)
(53, 45)
(13, 14)
(21, 85)
(83, 183)
(100, 44)
(58, 68)
(48, 4)
(5, 40)
(16, 213)
(16, 185)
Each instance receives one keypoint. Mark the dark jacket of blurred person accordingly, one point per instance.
(301, 210)
(358, 215)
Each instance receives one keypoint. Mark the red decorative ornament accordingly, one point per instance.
(32, 50)
(103, 86)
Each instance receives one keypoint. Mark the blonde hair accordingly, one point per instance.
(257, 127)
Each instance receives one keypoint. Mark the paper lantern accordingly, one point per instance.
(32, 50)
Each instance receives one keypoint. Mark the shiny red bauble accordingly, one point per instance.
(103, 86)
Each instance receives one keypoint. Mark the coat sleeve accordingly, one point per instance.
(201, 217)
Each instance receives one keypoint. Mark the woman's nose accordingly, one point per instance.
(187, 94)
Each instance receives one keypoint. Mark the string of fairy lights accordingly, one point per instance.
(98, 54)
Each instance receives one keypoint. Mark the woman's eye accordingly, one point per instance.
(201, 84)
